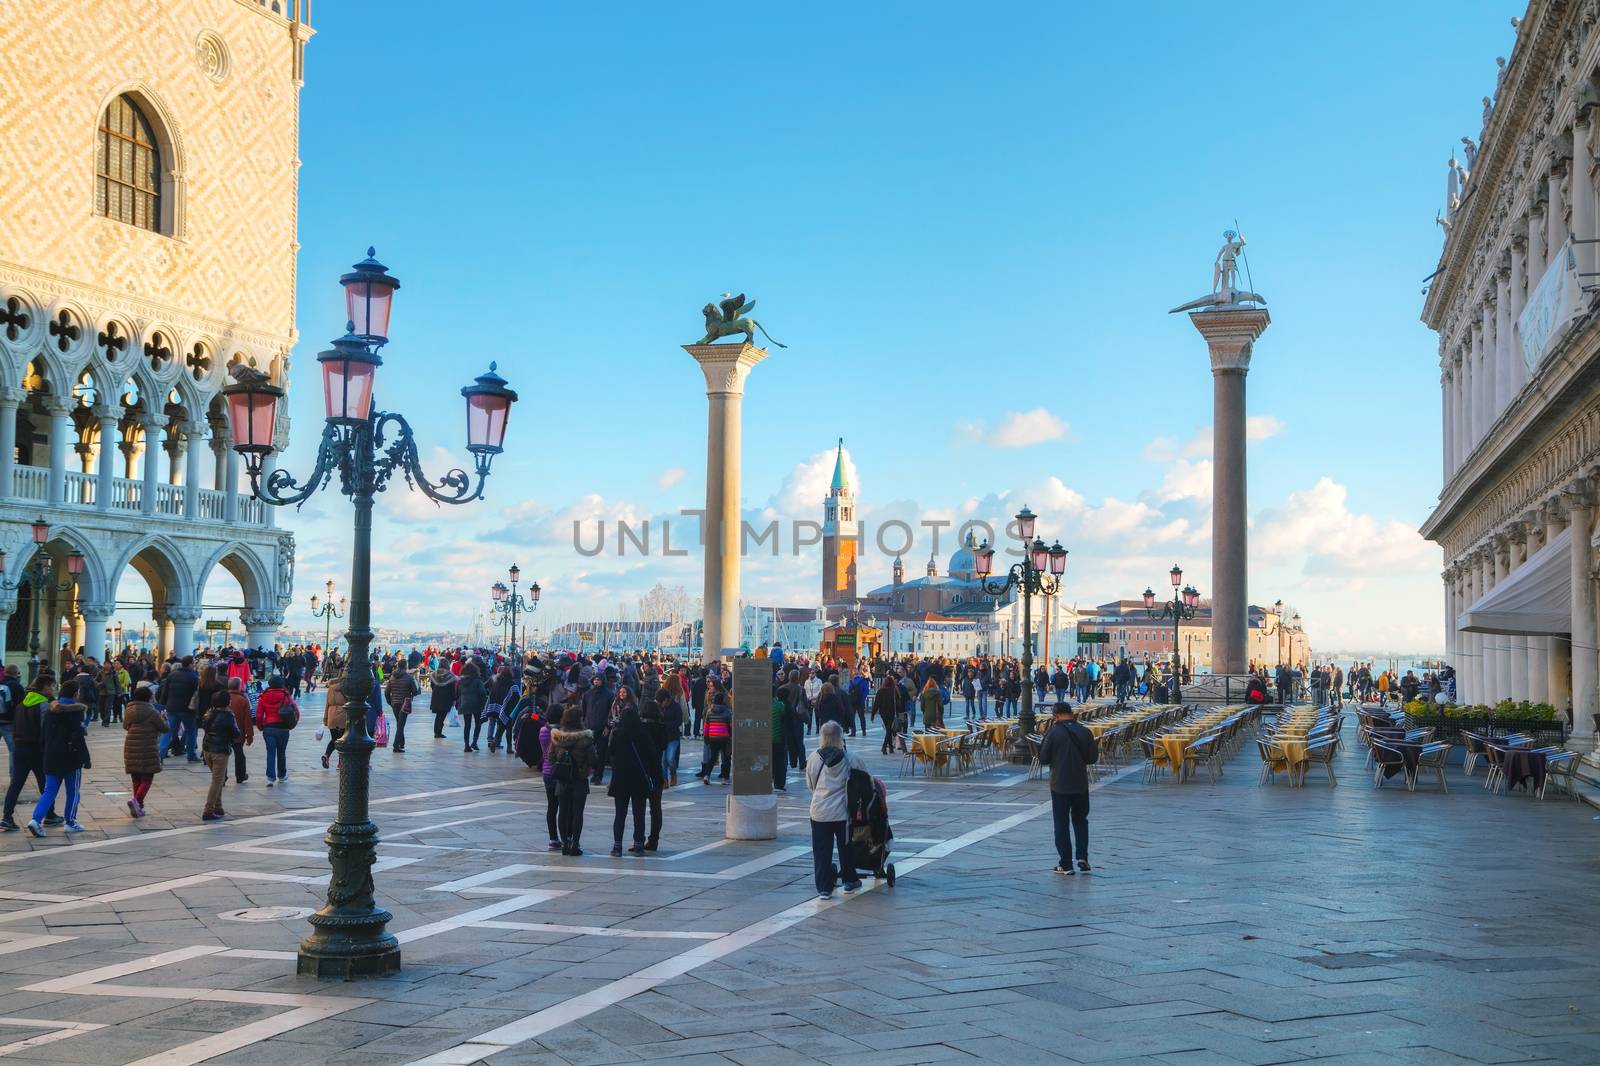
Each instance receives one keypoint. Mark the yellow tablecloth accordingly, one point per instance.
(925, 744)
(1294, 749)
(1173, 746)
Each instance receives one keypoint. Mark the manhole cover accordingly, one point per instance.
(266, 914)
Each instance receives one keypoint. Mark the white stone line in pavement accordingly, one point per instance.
(597, 930)
(524, 898)
(58, 1031)
(540, 1022)
(481, 883)
(279, 817)
(28, 943)
(701, 850)
(303, 1010)
(36, 897)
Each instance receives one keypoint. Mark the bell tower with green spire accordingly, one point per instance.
(839, 538)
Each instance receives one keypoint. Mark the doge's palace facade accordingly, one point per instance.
(1514, 304)
(149, 203)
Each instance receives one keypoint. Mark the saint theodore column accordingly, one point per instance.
(1230, 320)
(725, 366)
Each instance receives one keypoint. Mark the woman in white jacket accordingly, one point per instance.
(828, 776)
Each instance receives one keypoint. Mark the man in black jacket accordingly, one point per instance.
(1069, 750)
(182, 684)
(596, 713)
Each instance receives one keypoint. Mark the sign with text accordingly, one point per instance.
(1085, 637)
(1551, 306)
(752, 727)
(218, 623)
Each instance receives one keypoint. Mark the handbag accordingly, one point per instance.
(380, 735)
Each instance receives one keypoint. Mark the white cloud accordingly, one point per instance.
(806, 486)
(1019, 429)
(1186, 480)
(1261, 427)
(1317, 527)
(670, 477)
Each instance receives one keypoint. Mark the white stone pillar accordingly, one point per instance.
(107, 457)
(1461, 446)
(230, 486)
(182, 620)
(1558, 667)
(261, 628)
(1555, 213)
(152, 464)
(1475, 381)
(1519, 300)
(1585, 660)
(269, 513)
(1538, 253)
(1493, 643)
(1517, 683)
(194, 434)
(1583, 210)
(1447, 387)
(726, 366)
(1538, 647)
(219, 456)
(1502, 342)
(60, 431)
(1450, 634)
(95, 616)
(11, 399)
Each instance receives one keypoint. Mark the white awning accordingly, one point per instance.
(1534, 599)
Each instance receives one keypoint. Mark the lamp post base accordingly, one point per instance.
(347, 947)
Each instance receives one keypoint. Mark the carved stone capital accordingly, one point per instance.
(181, 616)
(1230, 336)
(261, 619)
(12, 397)
(726, 365)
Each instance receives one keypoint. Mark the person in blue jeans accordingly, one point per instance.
(828, 776)
(276, 714)
(178, 695)
(66, 754)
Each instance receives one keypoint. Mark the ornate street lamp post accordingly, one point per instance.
(38, 575)
(366, 448)
(1038, 574)
(329, 612)
(1185, 604)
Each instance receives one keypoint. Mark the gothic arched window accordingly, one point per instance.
(127, 184)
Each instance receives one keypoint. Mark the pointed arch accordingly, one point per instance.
(170, 156)
(162, 565)
(247, 567)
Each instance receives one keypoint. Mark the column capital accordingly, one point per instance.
(1517, 532)
(105, 411)
(1577, 493)
(12, 396)
(179, 615)
(1231, 335)
(194, 430)
(726, 365)
(97, 612)
(56, 407)
(261, 619)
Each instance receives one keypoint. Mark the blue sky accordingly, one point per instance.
(963, 220)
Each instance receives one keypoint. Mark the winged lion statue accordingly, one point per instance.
(733, 317)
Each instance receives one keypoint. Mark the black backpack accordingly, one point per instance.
(566, 768)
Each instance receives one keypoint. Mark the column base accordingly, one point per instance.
(343, 955)
(752, 818)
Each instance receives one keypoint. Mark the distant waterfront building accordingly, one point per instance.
(620, 636)
(796, 628)
(1513, 302)
(149, 244)
(1137, 636)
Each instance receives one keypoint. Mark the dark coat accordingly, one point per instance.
(66, 747)
(141, 747)
(830, 708)
(1069, 750)
(635, 760)
(471, 695)
(181, 686)
(581, 743)
(442, 696)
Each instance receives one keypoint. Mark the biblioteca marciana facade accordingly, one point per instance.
(1514, 304)
(149, 243)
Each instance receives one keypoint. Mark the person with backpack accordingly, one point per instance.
(398, 692)
(1069, 750)
(28, 755)
(635, 778)
(828, 777)
(571, 761)
(441, 698)
(552, 798)
(221, 731)
(276, 715)
(65, 758)
(718, 737)
(471, 697)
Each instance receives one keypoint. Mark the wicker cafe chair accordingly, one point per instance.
(1432, 759)
(1272, 762)
(1563, 765)
(1321, 751)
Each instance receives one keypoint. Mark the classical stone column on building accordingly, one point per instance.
(194, 436)
(1475, 381)
(1230, 334)
(1460, 445)
(1583, 207)
(269, 463)
(1538, 254)
(152, 463)
(1519, 300)
(1585, 660)
(230, 486)
(11, 399)
(261, 628)
(1493, 643)
(1502, 339)
(1558, 667)
(176, 443)
(182, 620)
(95, 616)
(1518, 681)
(107, 458)
(1480, 659)
(61, 433)
(1450, 609)
(725, 367)
(164, 633)
(1447, 386)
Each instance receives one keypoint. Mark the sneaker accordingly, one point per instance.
(271, 782)
(1083, 864)
(780, 788)
(555, 845)
(74, 827)
(133, 807)
(9, 825)
(616, 851)
(325, 762)
(35, 828)
(576, 853)
(53, 819)
(1063, 868)
(637, 849)
(852, 886)
(650, 845)
(824, 895)
(210, 816)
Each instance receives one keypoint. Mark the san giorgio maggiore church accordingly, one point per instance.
(1514, 301)
(149, 243)
(940, 612)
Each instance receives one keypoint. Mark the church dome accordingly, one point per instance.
(964, 563)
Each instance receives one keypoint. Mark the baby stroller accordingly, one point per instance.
(869, 826)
